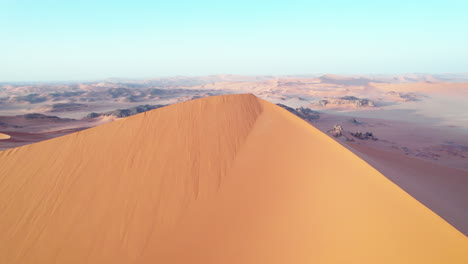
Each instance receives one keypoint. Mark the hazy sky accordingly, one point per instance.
(92, 39)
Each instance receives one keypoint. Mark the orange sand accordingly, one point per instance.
(228, 179)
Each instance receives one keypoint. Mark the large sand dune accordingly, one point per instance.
(228, 179)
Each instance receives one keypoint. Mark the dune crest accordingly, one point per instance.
(225, 179)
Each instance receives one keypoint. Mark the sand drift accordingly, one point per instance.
(4, 136)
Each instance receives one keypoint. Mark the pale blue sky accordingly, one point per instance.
(91, 39)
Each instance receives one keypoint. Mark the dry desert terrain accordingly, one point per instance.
(224, 179)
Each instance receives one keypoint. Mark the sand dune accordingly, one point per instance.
(4, 136)
(440, 188)
(227, 179)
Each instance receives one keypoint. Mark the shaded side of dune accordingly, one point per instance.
(442, 189)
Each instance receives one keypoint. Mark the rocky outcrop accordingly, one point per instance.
(364, 135)
(93, 115)
(336, 131)
(346, 101)
(302, 112)
(36, 116)
(405, 97)
(354, 121)
(119, 113)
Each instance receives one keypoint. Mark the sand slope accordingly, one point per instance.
(228, 179)
(442, 189)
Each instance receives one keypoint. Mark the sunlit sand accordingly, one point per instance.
(225, 179)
